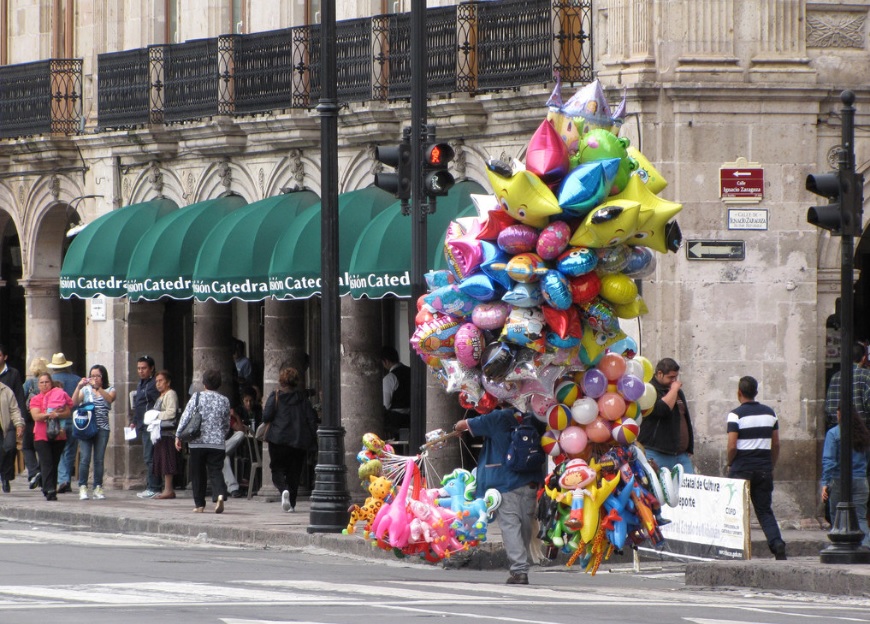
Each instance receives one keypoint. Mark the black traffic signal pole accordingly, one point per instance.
(419, 212)
(845, 535)
(330, 497)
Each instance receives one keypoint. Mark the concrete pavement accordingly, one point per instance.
(266, 525)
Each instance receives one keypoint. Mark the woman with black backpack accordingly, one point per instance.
(292, 430)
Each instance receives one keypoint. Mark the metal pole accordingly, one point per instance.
(419, 210)
(330, 497)
(845, 534)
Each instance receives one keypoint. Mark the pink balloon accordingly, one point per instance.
(613, 366)
(598, 430)
(611, 406)
(553, 240)
(468, 344)
(541, 404)
(573, 440)
(516, 239)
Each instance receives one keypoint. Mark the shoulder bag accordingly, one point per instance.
(84, 423)
(52, 428)
(263, 429)
(192, 427)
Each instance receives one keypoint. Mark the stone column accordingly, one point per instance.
(782, 52)
(42, 317)
(706, 38)
(361, 375)
(629, 40)
(442, 412)
(212, 346)
(284, 341)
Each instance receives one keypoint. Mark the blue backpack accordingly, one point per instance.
(524, 452)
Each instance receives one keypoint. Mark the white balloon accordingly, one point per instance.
(648, 399)
(633, 367)
(584, 410)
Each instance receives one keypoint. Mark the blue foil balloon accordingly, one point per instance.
(479, 286)
(577, 261)
(524, 295)
(586, 186)
(556, 291)
(493, 255)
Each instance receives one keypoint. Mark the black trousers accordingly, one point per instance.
(207, 463)
(7, 454)
(286, 464)
(49, 457)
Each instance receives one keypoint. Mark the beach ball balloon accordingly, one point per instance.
(594, 383)
(567, 392)
(648, 398)
(632, 410)
(573, 440)
(647, 368)
(559, 417)
(613, 366)
(598, 430)
(630, 387)
(634, 367)
(625, 431)
(584, 411)
(611, 406)
(550, 443)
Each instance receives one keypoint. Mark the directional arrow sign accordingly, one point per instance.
(715, 250)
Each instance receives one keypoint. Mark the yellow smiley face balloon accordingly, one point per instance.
(525, 197)
(655, 213)
(648, 174)
(612, 223)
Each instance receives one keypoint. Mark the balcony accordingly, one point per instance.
(476, 47)
(41, 98)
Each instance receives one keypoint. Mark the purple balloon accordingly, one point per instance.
(594, 383)
(630, 387)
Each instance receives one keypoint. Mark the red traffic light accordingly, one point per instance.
(438, 155)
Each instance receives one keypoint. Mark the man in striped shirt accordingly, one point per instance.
(753, 447)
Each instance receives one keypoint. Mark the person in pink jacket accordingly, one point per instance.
(50, 404)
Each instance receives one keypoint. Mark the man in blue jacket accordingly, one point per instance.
(516, 514)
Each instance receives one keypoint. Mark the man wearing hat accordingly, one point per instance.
(61, 371)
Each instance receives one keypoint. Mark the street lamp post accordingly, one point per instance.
(845, 534)
(330, 497)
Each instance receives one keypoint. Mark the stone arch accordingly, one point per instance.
(211, 184)
(475, 165)
(48, 217)
(358, 172)
(143, 187)
(285, 174)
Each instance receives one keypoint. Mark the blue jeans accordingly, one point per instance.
(96, 446)
(152, 482)
(670, 461)
(68, 457)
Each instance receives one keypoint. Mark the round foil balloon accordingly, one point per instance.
(618, 288)
(611, 406)
(553, 240)
(497, 360)
(625, 431)
(584, 411)
(584, 288)
(573, 440)
(468, 344)
(613, 366)
(598, 430)
(541, 404)
(503, 390)
(577, 261)
(613, 259)
(516, 239)
(490, 315)
(594, 383)
(556, 291)
(559, 417)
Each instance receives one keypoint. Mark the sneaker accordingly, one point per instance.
(98, 493)
(219, 505)
(147, 494)
(285, 501)
(83, 492)
(518, 578)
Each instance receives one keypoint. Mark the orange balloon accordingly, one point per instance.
(598, 430)
(613, 366)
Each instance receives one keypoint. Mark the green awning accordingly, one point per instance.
(162, 263)
(235, 257)
(381, 261)
(97, 259)
(295, 268)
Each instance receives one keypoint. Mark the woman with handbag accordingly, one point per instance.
(47, 408)
(165, 456)
(291, 430)
(95, 390)
(206, 443)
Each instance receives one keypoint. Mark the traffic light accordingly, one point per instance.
(437, 181)
(844, 192)
(399, 157)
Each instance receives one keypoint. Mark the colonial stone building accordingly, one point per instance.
(105, 105)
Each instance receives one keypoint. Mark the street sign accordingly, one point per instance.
(715, 250)
(741, 182)
(747, 219)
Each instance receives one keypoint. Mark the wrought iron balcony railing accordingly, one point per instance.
(44, 97)
(473, 48)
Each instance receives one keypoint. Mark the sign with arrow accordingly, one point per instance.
(741, 182)
(715, 250)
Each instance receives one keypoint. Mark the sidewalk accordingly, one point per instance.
(266, 525)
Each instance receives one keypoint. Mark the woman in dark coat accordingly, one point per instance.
(292, 425)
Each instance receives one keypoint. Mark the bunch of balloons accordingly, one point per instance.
(538, 281)
(403, 515)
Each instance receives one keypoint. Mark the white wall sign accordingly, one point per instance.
(98, 308)
(743, 219)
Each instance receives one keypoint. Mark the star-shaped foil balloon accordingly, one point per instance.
(655, 213)
(493, 219)
(611, 223)
(524, 196)
(547, 155)
(587, 185)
